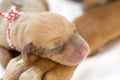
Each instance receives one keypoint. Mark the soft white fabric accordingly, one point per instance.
(67, 8)
(2, 71)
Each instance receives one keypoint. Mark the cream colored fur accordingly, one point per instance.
(98, 27)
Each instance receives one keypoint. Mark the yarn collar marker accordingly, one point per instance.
(10, 16)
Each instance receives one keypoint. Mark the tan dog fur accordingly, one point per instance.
(98, 27)
(37, 69)
(43, 62)
(35, 66)
(48, 39)
(48, 35)
(89, 4)
(24, 6)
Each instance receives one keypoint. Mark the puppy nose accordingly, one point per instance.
(80, 45)
(83, 46)
(83, 50)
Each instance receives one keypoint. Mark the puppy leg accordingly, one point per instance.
(38, 70)
(14, 69)
(4, 57)
(17, 66)
(60, 72)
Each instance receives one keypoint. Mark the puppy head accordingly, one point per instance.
(52, 36)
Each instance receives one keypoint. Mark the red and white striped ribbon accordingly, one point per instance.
(10, 16)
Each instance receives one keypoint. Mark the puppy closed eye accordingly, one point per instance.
(58, 49)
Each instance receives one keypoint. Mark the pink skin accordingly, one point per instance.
(78, 55)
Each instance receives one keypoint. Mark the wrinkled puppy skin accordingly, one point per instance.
(100, 25)
(57, 39)
(25, 5)
(48, 35)
(57, 49)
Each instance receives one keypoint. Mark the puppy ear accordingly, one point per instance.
(27, 50)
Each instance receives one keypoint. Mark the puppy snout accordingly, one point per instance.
(82, 50)
(81, 45)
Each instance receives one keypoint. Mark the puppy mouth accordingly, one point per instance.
(78, 55)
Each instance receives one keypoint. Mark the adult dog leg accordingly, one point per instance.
(60, 72)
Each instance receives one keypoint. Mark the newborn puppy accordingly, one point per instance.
(97, 26)
(89, 4)
(48, 35)
(25, 5)
(100, 25)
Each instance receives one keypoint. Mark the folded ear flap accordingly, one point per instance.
(27, 50)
